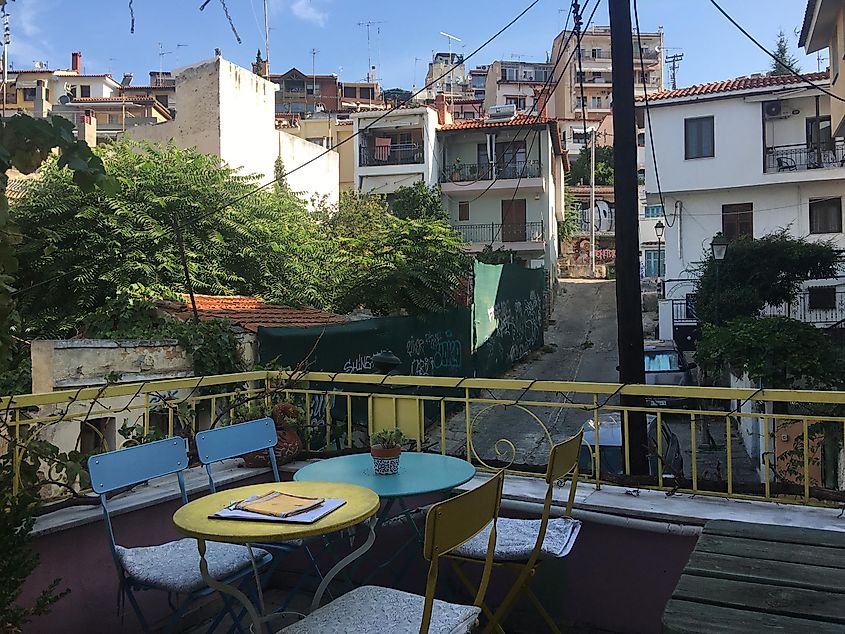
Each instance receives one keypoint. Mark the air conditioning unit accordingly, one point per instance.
(773, 110)
(506, 111)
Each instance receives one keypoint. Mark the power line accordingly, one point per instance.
(550, 90)
(674, 61)
(285, 174)
(648, 116)
(773, 56)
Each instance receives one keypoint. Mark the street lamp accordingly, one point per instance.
(718, 248)
(659, 228)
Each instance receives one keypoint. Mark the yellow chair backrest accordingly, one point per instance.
(396, 412)
(563, 460)
(452, 522)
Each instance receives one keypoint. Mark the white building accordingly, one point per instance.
(747, 157)
(502, 184)
(517, 83)
(229, 111)
(397, 148)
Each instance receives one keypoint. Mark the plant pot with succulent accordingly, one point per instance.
(386, 448)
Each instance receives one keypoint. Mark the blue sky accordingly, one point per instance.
(49, 29)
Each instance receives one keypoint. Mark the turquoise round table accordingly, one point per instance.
(419, 474)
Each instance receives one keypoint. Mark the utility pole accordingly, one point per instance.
(5, 59)
(593, 202)
(674, 61)
(629, 315)
(266, 38)
(314, 52)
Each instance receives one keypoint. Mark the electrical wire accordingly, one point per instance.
(285, 174)
(648, 119)
(773, 56)
(525, 123)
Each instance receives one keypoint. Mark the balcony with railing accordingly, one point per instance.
(655, 464)
(803, 156)
(391, 154)
(491, 232)
(465, 172)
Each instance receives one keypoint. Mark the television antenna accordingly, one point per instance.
(674, 61)
(451, 38)
(368, 24)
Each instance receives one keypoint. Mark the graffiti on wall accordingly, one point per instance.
(519, 325)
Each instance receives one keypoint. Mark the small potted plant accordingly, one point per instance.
(386, 448)
(456, 170)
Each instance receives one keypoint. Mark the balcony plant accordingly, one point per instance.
(386, 449)
(287, 417)
(456, 170)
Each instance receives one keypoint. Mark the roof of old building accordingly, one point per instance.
(250, 312)
(739, 84)
(137, 99)
(518, 120)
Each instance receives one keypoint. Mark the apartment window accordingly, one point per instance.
(654, 211)
(478, 81)
(349, 92)
(652, 259)
(579, 137)
(826, 215)
(162, 99)
(596, 53)
(510, 74)
(469, 114)
(85, 91)
(738, 221)
(519, 102)
(541, 74)
(821, 297)
(367, 93)
(72, 92)
(579, 102)
(834, 57)
(463, 211)
(698, 138)
(580, 77)
(29, 94)
(818, 133)
(595, 102)
(641, 139)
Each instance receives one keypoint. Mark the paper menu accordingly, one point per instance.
(278, 504)
(307, 517)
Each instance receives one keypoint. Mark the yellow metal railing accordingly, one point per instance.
(341, 410)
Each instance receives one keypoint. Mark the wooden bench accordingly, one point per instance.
(746, 577)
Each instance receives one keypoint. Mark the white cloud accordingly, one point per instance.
(305, 10)
(28, 41)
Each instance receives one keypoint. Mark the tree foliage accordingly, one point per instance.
(418, 201)
(787, 62)
(580, 173)
(82, 249)
(777, 352)
(759, 272)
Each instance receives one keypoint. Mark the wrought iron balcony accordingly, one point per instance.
(394, 154)
(464, 172)
(800, 156)
(498, 232)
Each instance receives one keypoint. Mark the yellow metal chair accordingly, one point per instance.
(376, 610)
(523, 544)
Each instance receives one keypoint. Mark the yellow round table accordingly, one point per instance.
(193, 520)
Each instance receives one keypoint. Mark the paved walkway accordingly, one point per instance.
(580, 346)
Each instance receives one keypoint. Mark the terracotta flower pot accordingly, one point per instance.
(385, 461)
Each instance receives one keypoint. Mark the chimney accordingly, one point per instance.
(127, 79)
(76, 62)
(86, 129)
(541, 101)
(444, 117)
(40, 107)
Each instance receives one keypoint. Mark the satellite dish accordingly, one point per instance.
(64, 99)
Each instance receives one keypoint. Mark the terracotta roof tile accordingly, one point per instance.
(250, 312)
(735, 85)
(519, 120)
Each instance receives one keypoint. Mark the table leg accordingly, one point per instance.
(225, 588)
(331, 574)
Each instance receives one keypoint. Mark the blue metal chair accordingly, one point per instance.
(232, 441)
(172, 567)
